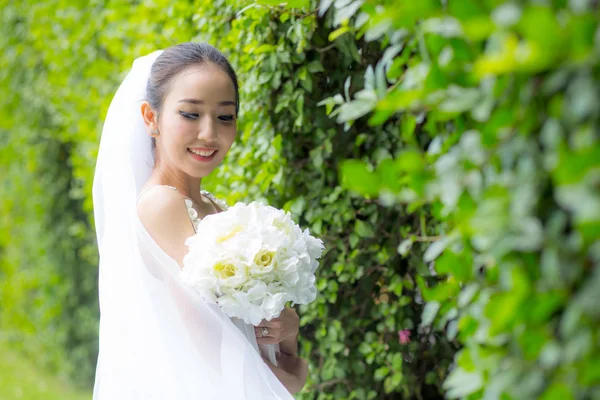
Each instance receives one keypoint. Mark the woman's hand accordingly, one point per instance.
(291, 371)
(279, 329)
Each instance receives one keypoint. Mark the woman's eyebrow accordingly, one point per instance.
(196, 101)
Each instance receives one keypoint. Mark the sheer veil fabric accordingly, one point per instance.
(158, 340)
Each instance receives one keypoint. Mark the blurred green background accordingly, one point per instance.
(447, 152)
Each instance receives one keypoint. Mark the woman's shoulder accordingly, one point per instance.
(164, 214)
(155, 200)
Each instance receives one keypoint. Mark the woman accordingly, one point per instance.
(171, 123)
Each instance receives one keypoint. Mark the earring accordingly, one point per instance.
(154, 132)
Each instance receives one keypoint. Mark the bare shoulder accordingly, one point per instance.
(159, 203)
(164, 214)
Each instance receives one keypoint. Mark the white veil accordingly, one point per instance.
(158, 340)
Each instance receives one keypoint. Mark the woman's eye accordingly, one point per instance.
(226, 118)
(188, 115)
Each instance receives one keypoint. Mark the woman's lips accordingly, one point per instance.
(202, 158)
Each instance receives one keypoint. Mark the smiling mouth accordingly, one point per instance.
(202, 155)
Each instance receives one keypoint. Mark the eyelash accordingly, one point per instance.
(193, 116)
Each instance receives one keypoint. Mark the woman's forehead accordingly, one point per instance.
(203, 81)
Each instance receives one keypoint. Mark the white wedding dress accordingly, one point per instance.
(246, 329)
(158, 338)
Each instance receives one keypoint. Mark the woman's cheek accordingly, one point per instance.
(182, 130)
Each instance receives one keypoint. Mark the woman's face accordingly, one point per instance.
(197, 123)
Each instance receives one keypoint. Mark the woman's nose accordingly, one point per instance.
(208, 129)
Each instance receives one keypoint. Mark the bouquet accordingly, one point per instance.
(251, 260)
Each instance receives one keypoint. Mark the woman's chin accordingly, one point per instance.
(201, 171)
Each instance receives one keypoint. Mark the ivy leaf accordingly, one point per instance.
(429, 312)
(324, 6)
(363, 229)
(339, 32)
(381, 373)
(287, 4)
(356, 109)
(405, 246)
(558, 391)
(461, 383)
(436, 248)
(356, 176)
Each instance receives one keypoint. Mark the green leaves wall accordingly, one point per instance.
(447, 153)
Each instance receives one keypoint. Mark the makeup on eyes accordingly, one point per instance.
(189, 115)
(193, 116)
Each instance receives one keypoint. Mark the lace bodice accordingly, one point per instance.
(192, 211)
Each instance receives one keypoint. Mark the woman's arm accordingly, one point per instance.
(291, 371)
(289, 346)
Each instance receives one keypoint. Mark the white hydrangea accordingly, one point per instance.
(251, 260)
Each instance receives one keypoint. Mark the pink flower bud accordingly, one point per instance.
(404, 336)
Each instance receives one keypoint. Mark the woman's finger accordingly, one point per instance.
(266, 324)
(267, 340)
(270, 330)
(261, 332)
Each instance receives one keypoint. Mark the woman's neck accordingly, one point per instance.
(185, 184)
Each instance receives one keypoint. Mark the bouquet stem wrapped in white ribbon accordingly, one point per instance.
(251, 260)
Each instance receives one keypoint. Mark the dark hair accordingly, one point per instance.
(176, 59)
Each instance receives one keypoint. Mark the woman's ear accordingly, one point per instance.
(150, 119)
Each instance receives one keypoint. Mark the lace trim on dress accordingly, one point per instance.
(192, 211)
(220, 203)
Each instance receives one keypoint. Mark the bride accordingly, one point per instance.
(171, 123)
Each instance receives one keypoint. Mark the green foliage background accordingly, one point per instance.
(446, 151)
